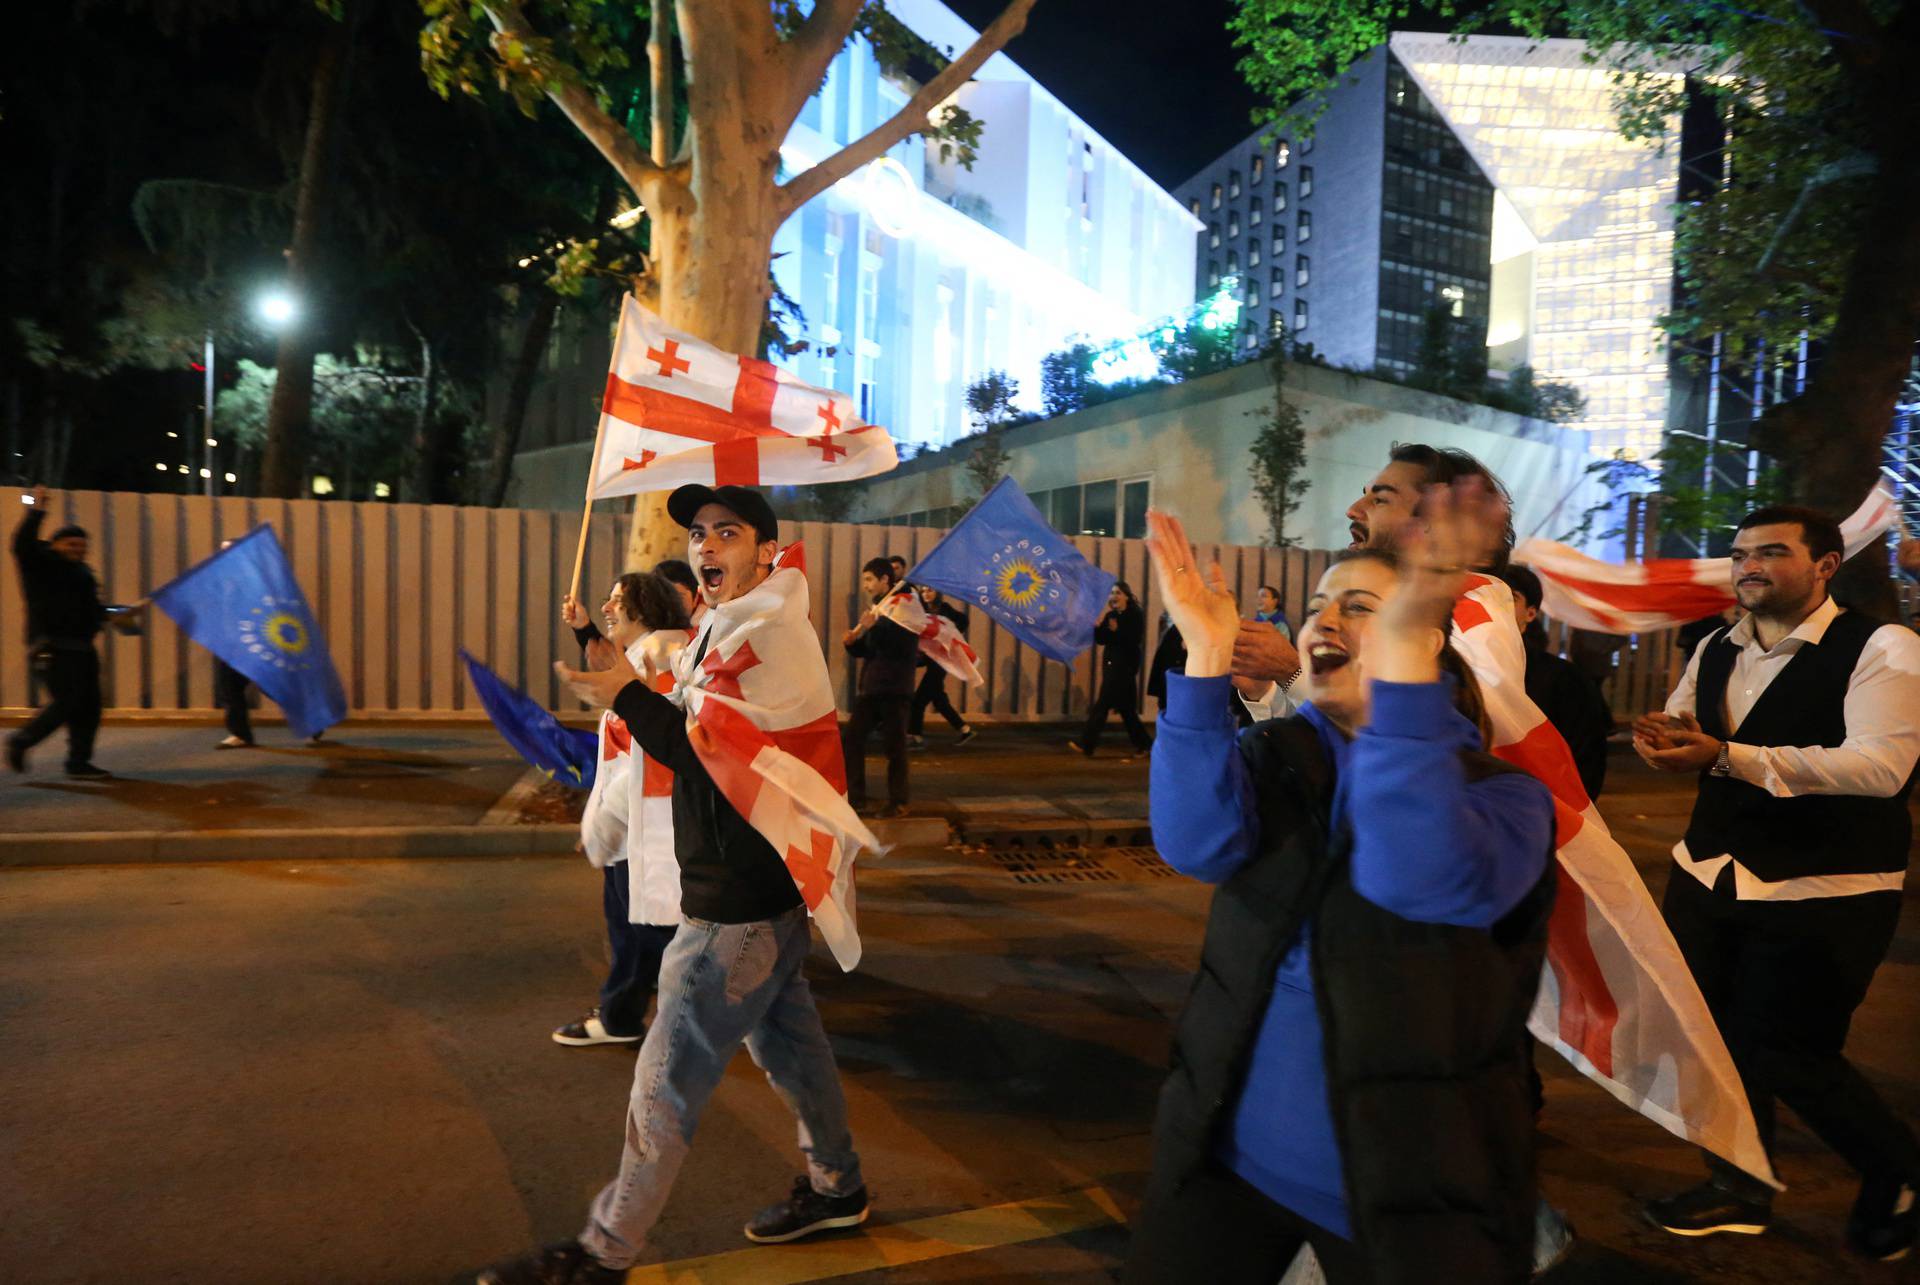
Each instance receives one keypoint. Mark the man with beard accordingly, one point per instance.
(1803, 724)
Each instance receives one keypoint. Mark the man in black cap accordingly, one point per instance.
(64, 612)
(733, 971)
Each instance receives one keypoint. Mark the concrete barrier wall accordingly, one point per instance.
(398, 589)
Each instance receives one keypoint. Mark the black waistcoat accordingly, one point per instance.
(1813, 834)
(1424, 1029)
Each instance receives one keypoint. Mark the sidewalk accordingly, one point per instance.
(394, 790)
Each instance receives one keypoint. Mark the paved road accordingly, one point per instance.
(339, 1072)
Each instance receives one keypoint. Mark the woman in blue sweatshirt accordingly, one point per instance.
(1350, 1069)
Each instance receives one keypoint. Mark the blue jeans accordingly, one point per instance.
(637, 952)
(721, 984)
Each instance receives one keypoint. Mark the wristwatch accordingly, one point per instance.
(1722, 765)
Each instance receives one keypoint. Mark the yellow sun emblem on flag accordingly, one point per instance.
(286, 632)
(1018, 583)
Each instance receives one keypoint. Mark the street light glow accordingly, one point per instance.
(231, 478)
(161, 467)
(277, 308)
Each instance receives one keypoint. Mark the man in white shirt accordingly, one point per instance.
(1803, 722)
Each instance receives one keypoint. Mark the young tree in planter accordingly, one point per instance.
(707, 168)
(1280, 454)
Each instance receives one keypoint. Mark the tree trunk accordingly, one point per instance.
(513, 416)
(290, 412)
(427, 464)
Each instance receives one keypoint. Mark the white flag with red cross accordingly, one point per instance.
(680, 410)
(940, 639)
(761, 717)
(1616, 998)
(1665, 593)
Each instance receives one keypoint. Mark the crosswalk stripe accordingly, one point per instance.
(892, 1244)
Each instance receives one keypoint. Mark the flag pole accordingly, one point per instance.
(593, 469)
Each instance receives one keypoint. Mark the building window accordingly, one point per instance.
(1280, 239)
(1233, 262)
(1282, 153)
(1302, 271)
(1306, 226)
(1253, 294)
(1279, 286)
(1233, 223)
(1253, 254)
(1233, 184)
(1306, 181)
(1279, 195)
(1256, 168)
(1254, 215)
(1306, 145)
(1213, 236)
(1194, 205)
(1299, 314)
(1134, 497)
(1213, 272)
(1216, 196)
(1276, 324)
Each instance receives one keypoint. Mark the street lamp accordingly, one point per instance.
(276, 308)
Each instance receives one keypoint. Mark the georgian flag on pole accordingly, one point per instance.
(1665, 593)
(1616, 998)
(940, 639)
(680, 410)
(761, 717)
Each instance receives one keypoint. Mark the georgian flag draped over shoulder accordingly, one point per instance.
(679, 410)
(1664, 593)
(761, 717)
(1616, 998)
(940, 639)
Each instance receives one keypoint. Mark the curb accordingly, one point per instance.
(347, 843)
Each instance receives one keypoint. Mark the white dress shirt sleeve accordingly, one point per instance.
(1278, 702)
(1682, 701)
(1883, 732)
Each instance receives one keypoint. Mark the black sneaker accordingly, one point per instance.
(564, 1263)
(805, 1212)
(1708, 1209)
(1885, 1220)
(591, 1030)
(966, 734)
(16, 755)
(916, 742)
(88, 772)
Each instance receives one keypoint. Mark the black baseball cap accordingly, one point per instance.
(688, 500)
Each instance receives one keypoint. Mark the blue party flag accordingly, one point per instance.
(1006, 560)
(565, 754)
(244, 605)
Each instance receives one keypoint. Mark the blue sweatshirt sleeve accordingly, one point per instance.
(1200, 794)
(1428, 846)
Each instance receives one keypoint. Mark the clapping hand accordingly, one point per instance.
(1674, 744)
(1204, 611)
(598, 686)
(1459, 524)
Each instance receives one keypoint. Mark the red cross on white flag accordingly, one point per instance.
(679, 410)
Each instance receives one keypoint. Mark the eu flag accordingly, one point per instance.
(1006, 560)
(245, 607)
(563, 753)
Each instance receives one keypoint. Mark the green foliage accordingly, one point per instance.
(990, 400)
(1280, 454)
(1687, 504)
(1193, 350)
(987, 462)
(1066, 379)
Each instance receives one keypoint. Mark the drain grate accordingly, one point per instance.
(1048, 865)
(1145, 861)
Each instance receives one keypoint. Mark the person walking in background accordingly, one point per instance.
(1570, 701)
(1169, 656)
(1122, 632)
(1802, 723)
(887, 653)
(647, 620)
(1349, 1070)
(64, 612)
(933, 679)
(1267, 610)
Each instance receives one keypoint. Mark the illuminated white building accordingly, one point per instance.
(921, 276)
(1583, 220)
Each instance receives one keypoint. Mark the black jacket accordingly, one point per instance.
(1577, 711)
(729, 873)
(1424, 1027)
(888, 652)
(1125, 638)
(63, 599)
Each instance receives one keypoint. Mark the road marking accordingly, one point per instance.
(893, 1244)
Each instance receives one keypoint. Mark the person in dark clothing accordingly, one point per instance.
(1348, 1071)
(887, 652)
(64, 612)
(1571, 703)
(933, 679)
(1122, 631)
(734, 972)
(1169, 656)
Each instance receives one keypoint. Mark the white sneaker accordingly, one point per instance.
(233, 743)
(590, 1030)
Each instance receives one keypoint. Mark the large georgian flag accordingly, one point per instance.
(1664, 593)
(679, 410)
(1616, 998)
(761, 717)
(940, 639)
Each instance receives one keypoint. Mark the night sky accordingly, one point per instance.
(1155, 80)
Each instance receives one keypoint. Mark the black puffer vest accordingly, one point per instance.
(1424, 1028)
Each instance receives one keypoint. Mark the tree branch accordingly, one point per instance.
(812, 50)
(660, 67)
(911, 119)
(608, 136)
